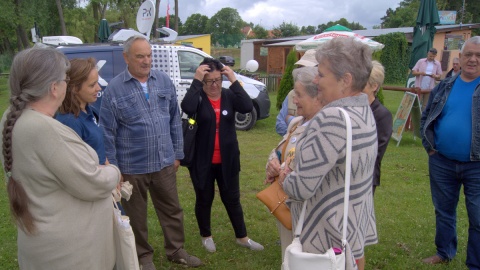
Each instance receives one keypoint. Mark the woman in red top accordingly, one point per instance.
(217, 156)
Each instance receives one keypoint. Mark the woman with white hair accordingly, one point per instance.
(60, 197)
(306, 99)
(320, 156)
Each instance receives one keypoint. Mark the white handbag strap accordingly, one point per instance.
(348, 169)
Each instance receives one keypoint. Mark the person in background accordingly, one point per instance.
(143, 136)
(344, 66)
(307, 101)
(59, 194)
(455, 69)
(451, 137)
(426, 71)
(217, 156)
(383, 117)
(289, 110)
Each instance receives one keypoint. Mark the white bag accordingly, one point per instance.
(126, 252)
(295, 258)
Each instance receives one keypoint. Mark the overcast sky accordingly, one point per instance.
(271, 13)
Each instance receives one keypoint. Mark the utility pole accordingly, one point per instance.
(177, 18)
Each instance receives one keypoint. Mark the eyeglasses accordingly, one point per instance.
(211, 82)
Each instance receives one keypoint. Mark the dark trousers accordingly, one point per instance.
(231, 200)
(162, 186)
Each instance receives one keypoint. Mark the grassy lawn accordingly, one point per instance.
(404, 211)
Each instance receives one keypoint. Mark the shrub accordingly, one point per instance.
(286, 84)
(394, 57)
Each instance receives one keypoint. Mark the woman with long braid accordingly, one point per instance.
(60, 196)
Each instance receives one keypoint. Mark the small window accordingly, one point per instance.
(189, 61)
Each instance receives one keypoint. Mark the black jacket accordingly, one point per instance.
(383, 119)
(233, 100)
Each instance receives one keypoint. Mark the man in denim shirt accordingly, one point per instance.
(451, 136)
(143, 137)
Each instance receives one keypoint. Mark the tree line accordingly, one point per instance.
(81, 18)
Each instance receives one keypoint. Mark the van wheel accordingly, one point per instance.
(245, 121)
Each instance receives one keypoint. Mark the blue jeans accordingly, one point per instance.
(446, 178)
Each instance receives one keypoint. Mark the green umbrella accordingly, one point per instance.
(338, 27)
(424, 31)
(103, 31)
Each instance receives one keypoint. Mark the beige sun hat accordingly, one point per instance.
(308, 59)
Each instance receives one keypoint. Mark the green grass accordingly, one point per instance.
(404, 211)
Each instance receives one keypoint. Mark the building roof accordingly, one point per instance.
(408, 31)
(179, 38)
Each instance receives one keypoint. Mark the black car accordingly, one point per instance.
(227, 60)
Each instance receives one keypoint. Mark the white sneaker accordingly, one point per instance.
(208, 243)
(250, 244)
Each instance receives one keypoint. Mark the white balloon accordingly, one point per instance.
(251, 66)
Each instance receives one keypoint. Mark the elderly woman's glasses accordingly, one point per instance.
(211, 82)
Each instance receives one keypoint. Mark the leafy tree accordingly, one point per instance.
(26, 12)
(80, 23)
(406, 14)
(286, 84)
(194, 25)
(162, 21)
(123, 9)
(7, 27)
(259, 32)
(395, 57)
(342, 21)
(403, 16)
(286, 30)
(308, 30)
(225, 27)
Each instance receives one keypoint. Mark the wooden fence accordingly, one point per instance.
(272, 81)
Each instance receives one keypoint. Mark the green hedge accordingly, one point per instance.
(286, 84)
(394, 57)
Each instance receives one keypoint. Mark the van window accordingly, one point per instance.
(189, 61)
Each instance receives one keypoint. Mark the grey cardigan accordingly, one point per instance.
(319, 179)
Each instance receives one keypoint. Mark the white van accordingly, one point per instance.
(180, 63)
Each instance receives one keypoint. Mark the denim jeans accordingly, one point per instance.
(446, 178)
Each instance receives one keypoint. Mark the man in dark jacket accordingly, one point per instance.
(451, 137)
(455, 69)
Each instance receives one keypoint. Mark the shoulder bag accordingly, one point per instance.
(126, 252)
(189, 129)
(295, 258)
(274, 197)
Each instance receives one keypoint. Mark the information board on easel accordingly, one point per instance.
(410, 105)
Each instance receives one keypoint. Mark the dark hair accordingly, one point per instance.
(433, 50)
(79, 71)
(31, 76)
(212, 63)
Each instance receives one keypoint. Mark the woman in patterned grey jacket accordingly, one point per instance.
(319, 175)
